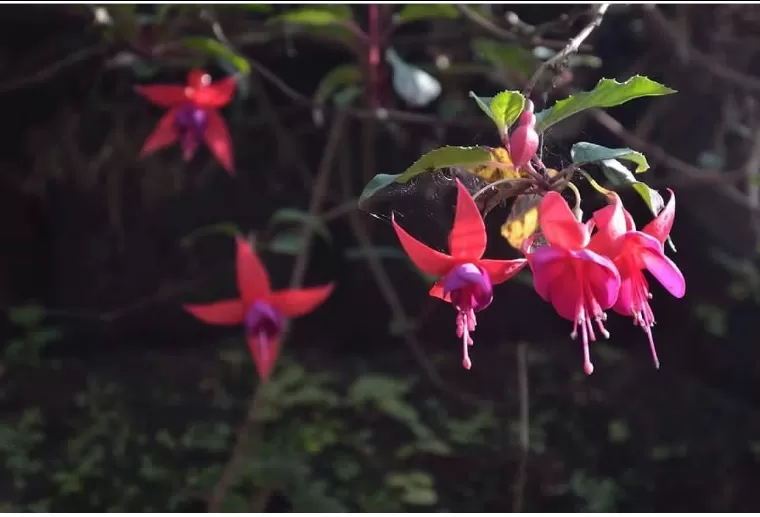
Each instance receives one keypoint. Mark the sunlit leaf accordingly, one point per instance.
(586, 152)
(490, 172)
(417, 87)
(607, 93)
(504, 108)
(522, 221)
(414, 12)
(449, 156)
(215, 49)
(317, 15)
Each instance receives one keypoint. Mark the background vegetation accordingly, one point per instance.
(116, 400)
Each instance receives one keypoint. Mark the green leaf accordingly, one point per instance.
(586, 152)
(509, 57)
(263, 8)
(287, 242)
(225, 228)
(449, 156)
(414, 12)
(326, 15)
(215, 49)
(504, 108)
(607, 93)
(335, 79)
(294, 215)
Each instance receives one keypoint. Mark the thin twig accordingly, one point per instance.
(571, 47)
(48, 72)
(522, 390)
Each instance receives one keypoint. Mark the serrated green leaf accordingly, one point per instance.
(606, 94)
(507, 56)
(323, 15)
(294, 215)
(214, 48)
(336, 79)
(504, 108)
(586, 152)
(414, 12)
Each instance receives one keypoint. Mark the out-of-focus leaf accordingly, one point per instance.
(607, 93)
(509, 57)
(225, 228)
(317, 15)
(336, 79)
(418, 488)
(522, 221)
(586, 152)
(263, 8)
(26, 316)
(294, 215)
(417, 87)
(414, 12)
(217, 50)
(287, 242)
(370, 387)
(504, 108)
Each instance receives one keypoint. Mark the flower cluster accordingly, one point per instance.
(582, 269)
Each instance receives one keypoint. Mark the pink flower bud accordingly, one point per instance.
(523, 143)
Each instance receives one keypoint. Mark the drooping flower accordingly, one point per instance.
(261, 311)
(192, 117)
(465, 279)
(579, 283)
(634, 251)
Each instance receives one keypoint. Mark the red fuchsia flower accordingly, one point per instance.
(523, 143)
(580, 283)
(261, 311)
(634, 251)
(466, 280)
(192, 117)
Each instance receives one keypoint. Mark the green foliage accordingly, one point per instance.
(606, 94)
(507, 57)
(216, 50)
(504, 108)
(321, 15)
(337, 79)
(35, 336)
(586, 152)
(415, 12)
(449, 156)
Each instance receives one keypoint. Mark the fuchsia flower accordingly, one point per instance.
(466, 280)
(261, 310)
(633, 251)
(192, 117)
(580, 283)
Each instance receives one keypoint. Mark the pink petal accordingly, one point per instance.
(558, 224)
(602, 277)
(225, 312)
(162, 136)
(217, 137)
(294, 303)
(499, 271)
(252, 277)
(427, 259)
(660, 226)
(265, 353)
(437, 291)
(163, 95)
(665, 271)
(549, 265)
(217, 94)
(467, 240)
(611, 225)
(624, 303)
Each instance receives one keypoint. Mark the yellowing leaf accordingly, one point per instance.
(492, 173)
(522, 222)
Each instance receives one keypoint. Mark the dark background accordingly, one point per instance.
(114, 399)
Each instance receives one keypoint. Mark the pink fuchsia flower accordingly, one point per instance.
(262, 312)
(192, 117)
(465, 279)
(579, 283)
(634, 251)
